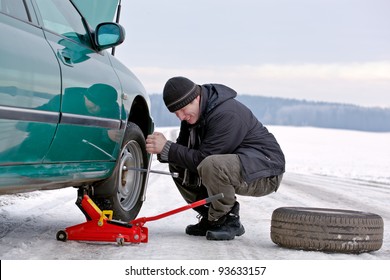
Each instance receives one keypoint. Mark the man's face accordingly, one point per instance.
(191, 112)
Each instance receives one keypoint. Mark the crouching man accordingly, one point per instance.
(221, 148)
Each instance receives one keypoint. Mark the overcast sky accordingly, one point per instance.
(321, 50)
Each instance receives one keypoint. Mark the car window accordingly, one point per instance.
(61, 17)
(15, 8)
(97, 11)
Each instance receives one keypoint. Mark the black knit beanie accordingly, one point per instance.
(179, 92)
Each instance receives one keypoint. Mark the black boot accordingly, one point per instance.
(200, 228)
(203, 225)
(229, 227)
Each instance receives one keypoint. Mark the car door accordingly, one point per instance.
(30, 89)
(91, 99)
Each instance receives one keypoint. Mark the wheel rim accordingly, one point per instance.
(130, 181)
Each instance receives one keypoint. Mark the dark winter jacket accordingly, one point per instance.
(226, 126)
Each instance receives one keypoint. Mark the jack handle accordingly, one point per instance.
(143, 220)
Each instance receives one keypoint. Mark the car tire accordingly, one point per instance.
(123, 190)
(330, 230)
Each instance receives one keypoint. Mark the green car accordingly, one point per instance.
(70, 113)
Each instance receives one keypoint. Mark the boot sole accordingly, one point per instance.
(215, 235)
(198, 233)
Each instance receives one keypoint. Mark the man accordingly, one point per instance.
(221, 148)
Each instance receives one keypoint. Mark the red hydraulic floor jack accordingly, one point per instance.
(102, 228)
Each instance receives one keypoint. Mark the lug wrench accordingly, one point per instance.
(173, 174)
(148, 171)
(147, 176)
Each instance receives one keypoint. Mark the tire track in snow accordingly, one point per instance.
(356, 195)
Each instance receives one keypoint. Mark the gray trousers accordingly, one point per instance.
(222, 174)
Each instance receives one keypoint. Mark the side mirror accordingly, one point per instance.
(109, 34)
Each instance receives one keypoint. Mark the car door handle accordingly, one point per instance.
(65, 57)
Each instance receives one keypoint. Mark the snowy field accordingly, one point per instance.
(325, 168)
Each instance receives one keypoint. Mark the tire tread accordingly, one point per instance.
(331, 230)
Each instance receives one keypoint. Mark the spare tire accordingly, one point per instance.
(330, 230)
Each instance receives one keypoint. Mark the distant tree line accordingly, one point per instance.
(293, 112)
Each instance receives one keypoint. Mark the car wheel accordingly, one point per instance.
(126, 186)
(331, 230)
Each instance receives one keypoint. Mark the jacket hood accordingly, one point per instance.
(213, 95)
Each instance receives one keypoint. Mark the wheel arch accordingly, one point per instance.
(140, 114)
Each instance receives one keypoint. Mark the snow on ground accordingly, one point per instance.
(325, 168)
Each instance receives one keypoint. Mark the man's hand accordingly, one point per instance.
(155, 143)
